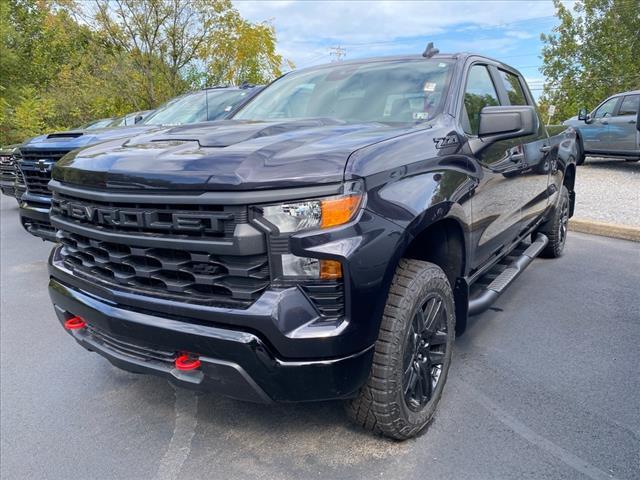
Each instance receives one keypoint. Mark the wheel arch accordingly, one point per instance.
(444, 242)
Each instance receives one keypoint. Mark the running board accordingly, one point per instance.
(485, 298)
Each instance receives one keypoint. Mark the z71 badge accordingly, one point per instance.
(442, 142)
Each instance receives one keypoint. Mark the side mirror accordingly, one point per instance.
(138, 119)
(582, 114)
(500, 123)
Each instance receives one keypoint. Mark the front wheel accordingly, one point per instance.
(412, 354)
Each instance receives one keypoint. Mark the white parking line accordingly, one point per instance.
(545, 444)
(179, 449)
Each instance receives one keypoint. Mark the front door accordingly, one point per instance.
(595, 134)
(623, 135)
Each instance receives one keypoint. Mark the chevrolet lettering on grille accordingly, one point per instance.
(154, 219)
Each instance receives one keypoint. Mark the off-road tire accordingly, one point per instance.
(381, 405)
(556, 228)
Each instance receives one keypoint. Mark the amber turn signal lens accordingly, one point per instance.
(330, 270)
(336, 211)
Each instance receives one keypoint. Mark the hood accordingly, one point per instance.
(73, 139)
(227, 155)
(573, 121)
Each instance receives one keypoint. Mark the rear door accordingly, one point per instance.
(595, 134)
(623, 135)
(537, 159)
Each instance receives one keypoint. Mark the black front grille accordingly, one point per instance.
(172, 220)
(7, 169)
(37, 181)
(173, 274)
(19, 184)
(36, 168)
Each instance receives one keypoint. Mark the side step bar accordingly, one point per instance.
(482, 301)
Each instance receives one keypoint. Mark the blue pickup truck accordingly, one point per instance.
(612, 129)
(36, 157)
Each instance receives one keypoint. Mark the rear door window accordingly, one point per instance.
(629, 105)
(479, 93)
(514, 88)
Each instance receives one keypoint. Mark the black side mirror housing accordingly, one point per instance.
(500, 123)
(137, 120)
(582, 114)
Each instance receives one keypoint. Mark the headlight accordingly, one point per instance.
(312, 214)
(289, 218)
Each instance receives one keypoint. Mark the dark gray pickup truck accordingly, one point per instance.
(326, 242)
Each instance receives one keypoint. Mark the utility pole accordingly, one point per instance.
(338, 53)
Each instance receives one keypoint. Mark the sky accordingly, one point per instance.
(506, 30)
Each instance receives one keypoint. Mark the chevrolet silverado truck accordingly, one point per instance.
(327, 242)
(8, 171)
(37, 156)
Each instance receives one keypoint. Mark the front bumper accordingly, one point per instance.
(235, 362)
(34, 216)
(8, 188)
(8, 182)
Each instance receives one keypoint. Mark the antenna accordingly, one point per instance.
(338, 52)
(430, 51)
(206, 101)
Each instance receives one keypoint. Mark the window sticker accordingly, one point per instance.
(429, 86)
(420, 115)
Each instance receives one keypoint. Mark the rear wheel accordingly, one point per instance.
(412, 354)
(557, 227)
(580, 156)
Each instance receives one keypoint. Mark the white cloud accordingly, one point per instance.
(306, 29)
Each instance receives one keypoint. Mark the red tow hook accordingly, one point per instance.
(75, 323)
(187, 362)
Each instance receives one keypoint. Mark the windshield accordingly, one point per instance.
(192, 108)
(105, 122)
(388, 92)
(129, 119)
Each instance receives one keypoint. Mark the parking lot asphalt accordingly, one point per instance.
(544, 385)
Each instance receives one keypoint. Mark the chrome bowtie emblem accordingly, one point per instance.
(42, 165)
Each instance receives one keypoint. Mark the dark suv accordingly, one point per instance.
(325, 243)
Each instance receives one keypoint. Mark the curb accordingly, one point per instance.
(625, 232)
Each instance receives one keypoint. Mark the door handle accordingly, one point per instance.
(632, 121)
(604, 122)
(516, 157)
(545, 148)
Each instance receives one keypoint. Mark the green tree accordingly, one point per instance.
(594, 52)
(243, 52)
(65, 62)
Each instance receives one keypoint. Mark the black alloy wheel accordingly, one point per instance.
(425, 352)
